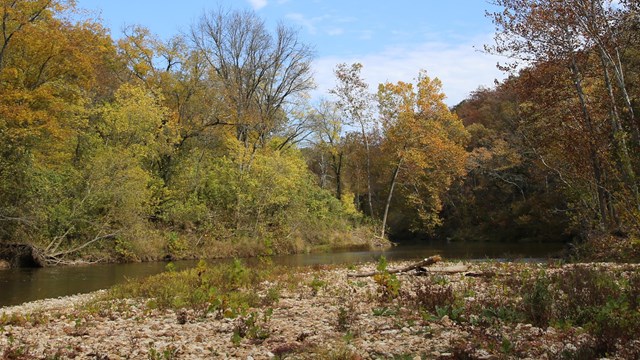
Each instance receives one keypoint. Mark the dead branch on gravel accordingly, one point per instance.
(421, 264)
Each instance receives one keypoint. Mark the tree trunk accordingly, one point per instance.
(368, 156)
(421, 264)
(337, 169)
(593, 156)
(619, 137)
(394, 178)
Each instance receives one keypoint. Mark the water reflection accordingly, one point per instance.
(21, 285)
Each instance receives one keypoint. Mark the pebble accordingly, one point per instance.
(128, 330)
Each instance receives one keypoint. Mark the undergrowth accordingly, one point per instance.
(226, 290)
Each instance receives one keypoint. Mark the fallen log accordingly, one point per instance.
(421, 264)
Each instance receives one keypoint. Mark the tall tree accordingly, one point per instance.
(329, 141)
(425, 144)
(539, 31)
(258, 73)
(355, 103)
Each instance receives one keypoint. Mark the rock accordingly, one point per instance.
(296, 327)
(445, 321)
(570, 348)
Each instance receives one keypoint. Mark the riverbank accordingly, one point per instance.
(190, 247)
(483, 310)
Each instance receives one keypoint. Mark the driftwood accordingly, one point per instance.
(421, 264)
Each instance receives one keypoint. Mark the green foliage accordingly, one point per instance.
(170, 267)
(237, 275)
(316, 284)
(176, 245)
(226, 290)
(252, 326)
(383, 311)
(382, 264)
(603, 304)
(388, 284)
(269, 201)
(503, 313)
(346, 319)
(537, 301)
(168, 353)
(454, 313)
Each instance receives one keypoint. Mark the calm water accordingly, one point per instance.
(22, 285)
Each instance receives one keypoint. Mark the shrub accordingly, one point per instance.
(388, 284)
(227, 289)
(537, 302)
(430, 296)
(593, 299)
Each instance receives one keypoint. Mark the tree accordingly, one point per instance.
(509, 194)
(424, 143)
(258, 73)
(355, 103)
(557, 32)
(49, 70)
(329, 142)
(18, 16)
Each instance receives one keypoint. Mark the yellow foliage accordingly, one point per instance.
(425, 139)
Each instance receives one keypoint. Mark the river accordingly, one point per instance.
(21, 285)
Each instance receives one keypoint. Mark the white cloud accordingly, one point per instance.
(258, 4)
(460, 67)
(303, 21)
(319, 23)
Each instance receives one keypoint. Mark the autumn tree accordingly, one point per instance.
(355, 103)
(424, 143)
(565, 33)
(508, 193)
(151, 148)
(329, 143)
(52, 68)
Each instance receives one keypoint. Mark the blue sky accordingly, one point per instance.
(392, 39)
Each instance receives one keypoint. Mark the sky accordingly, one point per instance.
(393, 40)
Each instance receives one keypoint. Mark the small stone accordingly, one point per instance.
(446, 321)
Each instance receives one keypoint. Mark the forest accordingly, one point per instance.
(208, 144)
